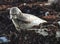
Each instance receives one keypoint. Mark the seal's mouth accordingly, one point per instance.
(13, 17)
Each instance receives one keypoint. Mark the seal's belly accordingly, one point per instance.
(22, 25)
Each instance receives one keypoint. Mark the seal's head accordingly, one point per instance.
(14, 11)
